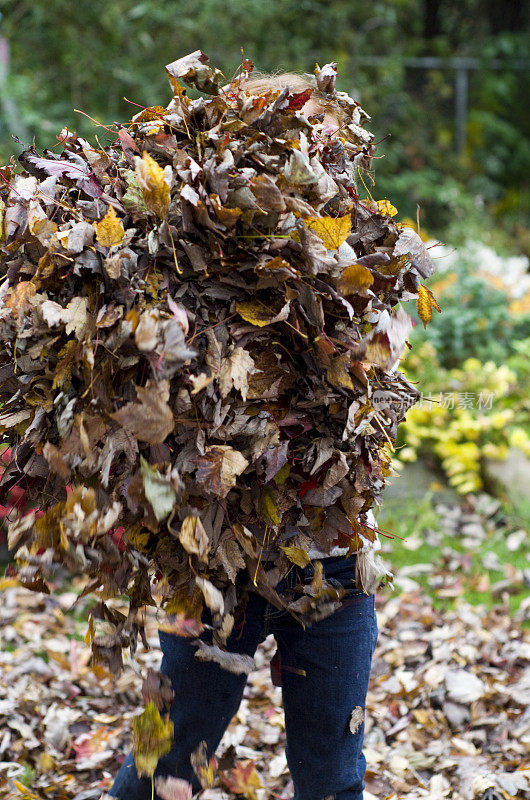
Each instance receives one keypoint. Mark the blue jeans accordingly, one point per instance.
(325, 758)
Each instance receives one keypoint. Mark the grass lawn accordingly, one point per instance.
(451, 556)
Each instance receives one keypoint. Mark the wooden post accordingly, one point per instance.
(461, 92)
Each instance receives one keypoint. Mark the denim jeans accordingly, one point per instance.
(325, 669)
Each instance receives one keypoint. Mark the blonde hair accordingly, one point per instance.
(261, 82)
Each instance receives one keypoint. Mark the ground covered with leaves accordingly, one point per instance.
(448, 711)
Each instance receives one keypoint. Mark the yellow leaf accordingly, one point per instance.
(152, 737)
(138, 539)
(426, 302)
(20, 298)
(89, 635)
(8, 583)
(25, 792)
(47, 763)
(153, 184)
(257, 313)
(203, 767)
(269, 507)
(337, 373)
(65, 365)
(386, 208)
(193, 537)
(282, 475)
(2, 216)
(332, 231)
(110, 230)
(244, 780)
(296, 555)
(150, 114)
(355, 278)
(188, 604)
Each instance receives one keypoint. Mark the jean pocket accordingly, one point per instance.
(341, 570)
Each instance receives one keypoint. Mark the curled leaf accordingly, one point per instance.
(152, 181)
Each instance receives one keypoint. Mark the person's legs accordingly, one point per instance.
(206, 699)
(323, 753)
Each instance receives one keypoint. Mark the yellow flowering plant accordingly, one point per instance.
(470, 414)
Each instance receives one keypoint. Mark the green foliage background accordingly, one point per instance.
(89, 54)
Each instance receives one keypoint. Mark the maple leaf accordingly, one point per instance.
(110, 230)
(76, 315)
(151, 420)
(193, 69)
(152, 181)
(243, 780)
(20, 299)
(234, 372)
(219, 467)
(426, 303)
(337, 373)
(333, 231)
(152, 739)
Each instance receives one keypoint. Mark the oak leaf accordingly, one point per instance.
(21, 298)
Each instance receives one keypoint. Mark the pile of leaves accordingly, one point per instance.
(200, 328)
(447, 713)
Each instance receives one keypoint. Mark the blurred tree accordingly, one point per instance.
(91, 53)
